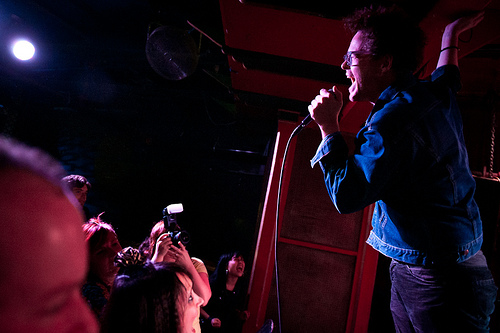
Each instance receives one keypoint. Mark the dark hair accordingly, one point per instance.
(144, 248)
(389, 31)
(76, 181)
(144, 299)
(218, 277)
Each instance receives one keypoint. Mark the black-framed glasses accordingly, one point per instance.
(348, 56)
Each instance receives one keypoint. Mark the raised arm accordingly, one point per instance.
(201, 285)
(449, 41)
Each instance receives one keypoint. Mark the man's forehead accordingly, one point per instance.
(37, 220)
(357, 42)
(27, 196)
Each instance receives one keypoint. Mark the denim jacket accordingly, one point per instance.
(411, 161)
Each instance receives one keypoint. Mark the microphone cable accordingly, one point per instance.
(296, 131)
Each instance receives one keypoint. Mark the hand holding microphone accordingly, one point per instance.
(324, 109)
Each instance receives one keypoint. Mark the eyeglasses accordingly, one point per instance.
(348, 56)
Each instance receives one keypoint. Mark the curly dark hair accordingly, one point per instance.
(77, 181)
(389, 31)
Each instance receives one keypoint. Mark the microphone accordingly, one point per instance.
(303, 124)
(307, 120)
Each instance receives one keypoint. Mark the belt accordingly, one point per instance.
(411, 265)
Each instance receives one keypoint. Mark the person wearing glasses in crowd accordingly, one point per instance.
(410, 159)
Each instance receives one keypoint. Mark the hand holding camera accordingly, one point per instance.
(173, 229)
(179, 255)
(169, 246)
(163, 244)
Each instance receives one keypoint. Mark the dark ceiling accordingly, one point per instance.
(199, 132)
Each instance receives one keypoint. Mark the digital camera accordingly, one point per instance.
(173, 229)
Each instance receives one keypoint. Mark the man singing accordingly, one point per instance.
(411, 161)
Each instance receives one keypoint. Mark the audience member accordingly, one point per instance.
(150, 297)
(161, 249)
(80, 187)
(44, 259)
(225, 312)
(103, 245)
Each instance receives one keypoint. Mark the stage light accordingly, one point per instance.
(23, 50)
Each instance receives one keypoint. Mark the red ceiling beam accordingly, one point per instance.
(283, 33)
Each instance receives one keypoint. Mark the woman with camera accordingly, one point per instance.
(162, 249)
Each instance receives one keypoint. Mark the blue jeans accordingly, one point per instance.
(456, 298)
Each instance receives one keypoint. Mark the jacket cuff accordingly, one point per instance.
(327, 145)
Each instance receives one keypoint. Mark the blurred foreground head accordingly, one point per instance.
(44, 261)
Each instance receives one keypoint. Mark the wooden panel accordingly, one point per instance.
(315, 290)
(310, 215)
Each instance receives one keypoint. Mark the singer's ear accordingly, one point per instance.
(386, 63)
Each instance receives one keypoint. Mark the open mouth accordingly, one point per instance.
(353, 80)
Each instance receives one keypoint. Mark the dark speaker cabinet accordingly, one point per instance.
(326, 271)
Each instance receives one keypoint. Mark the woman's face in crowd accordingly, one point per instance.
(236, 266)
(188, 305)
(102, 258)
